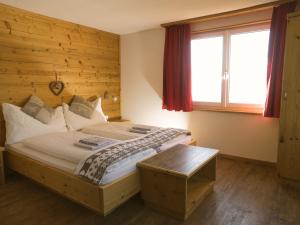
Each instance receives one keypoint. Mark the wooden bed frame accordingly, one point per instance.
(101, 198)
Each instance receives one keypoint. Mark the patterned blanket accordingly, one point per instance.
(94, 167)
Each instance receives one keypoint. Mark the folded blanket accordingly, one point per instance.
(94, 166)
(96, 141)
(143, 128)
(138, 131)
(89, 147)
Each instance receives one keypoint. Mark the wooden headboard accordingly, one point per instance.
(35, 48)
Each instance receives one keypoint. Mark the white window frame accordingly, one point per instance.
(225, 77)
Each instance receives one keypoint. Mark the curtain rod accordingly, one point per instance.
(216, 29)
(255, 8)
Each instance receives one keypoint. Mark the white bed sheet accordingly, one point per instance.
(113, 172)
(60, 145)
(67, 156)
(44, 158)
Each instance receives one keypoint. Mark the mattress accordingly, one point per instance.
(44, 158)
(58, 150)
(67, 156)
(114, 172)
(59, 145)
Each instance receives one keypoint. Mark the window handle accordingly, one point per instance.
(225, 76)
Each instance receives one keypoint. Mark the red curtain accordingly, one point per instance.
(276, 58)
(177, 86)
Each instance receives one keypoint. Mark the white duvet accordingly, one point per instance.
(59, 145)
(58, 150)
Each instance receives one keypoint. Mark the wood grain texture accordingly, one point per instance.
(180, 160)
(35, 48)
(177, 180)
(100, 198)
(244, 194)
(289, 142)
(59, 181)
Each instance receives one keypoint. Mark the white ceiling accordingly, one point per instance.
(128, 16)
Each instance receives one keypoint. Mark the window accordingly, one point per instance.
(229, 69)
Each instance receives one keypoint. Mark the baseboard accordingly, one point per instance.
(294, 183)
(238, 158)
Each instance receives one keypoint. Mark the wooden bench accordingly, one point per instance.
(178, 179)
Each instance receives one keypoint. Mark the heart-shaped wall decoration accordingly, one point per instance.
(56, 87)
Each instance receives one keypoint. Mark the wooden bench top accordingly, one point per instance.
(180, 160)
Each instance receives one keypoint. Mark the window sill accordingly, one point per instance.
(244, 110)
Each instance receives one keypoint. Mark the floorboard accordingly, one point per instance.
(244, 194)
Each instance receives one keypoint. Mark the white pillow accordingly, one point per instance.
(20, 126)
(98, 104)
(77, 122)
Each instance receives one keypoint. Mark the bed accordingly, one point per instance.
(57, 174)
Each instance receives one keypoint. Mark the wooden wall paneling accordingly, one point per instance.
(35, 48)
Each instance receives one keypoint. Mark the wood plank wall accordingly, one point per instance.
(35, 48)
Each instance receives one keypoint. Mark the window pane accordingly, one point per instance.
(207, 61)
(248, 67)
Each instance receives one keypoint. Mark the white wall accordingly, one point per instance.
(251, 136)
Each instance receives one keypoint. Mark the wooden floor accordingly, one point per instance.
(245, 194)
